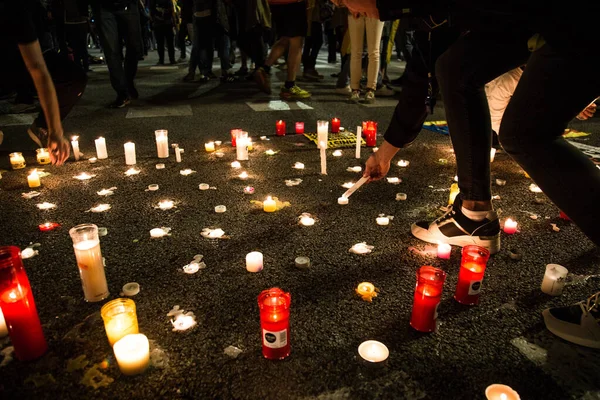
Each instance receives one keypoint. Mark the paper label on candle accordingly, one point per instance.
(475, 287)
(275, 340)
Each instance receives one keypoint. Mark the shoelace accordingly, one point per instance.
(593, 302)
(449, 214)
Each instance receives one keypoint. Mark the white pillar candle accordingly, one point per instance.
(75, 145)
(101, 152)
(132, 353)
(554, 279)
(241, 147)
(3, 328)
(33, 179)
(322, 131)
(373, 351)
(323, 146)
(162, 143)
(501, 392)
(358, 140)
(130, 153)
(254, 261)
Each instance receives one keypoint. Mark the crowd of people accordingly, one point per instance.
(456, 48)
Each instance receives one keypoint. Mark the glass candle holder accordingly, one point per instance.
(18, 306)
(234, 133)
(162, 143)
(280, 128)
(17, 161)
(43, 156)
(470, 275)
(120, 319)
(89, 260)
(369, 132)
(299, 127)
(274, 306)
(335, 125)
(241, 149)
(428, 293)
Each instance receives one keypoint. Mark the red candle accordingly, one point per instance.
(48, 226)
(370, 133)
(299, 127)
(430, 283)
(470, 275)
(274, 306)
(16, 301)
(280, 128)
(564, 216)
(234, 133)
(335, 125)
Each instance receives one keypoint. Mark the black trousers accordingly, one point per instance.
(312, 45)
(164, 33)
(76, 35)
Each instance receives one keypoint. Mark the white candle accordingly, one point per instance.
(342, 200)
(236, 164)
(159, 232)
(3, 328)
(153, 187)
(75, 145)
(178, 152)
(17, 161)
(133, 354)
(46, 206)
(383, 221)
(337, 153)
(33, 179)
(554, 279)
(401, 196)
(501, 392)
(270, 152)
(162, 143)
(220, 209)
(323, 146)
(101, 152)
(132, 171)
(130, 153)
(91, 269)
(243, 176)
(373, 351)
(302, 262)
(403, 163)
(204, 186)
(394, 179)
(299, 165)
(165, 204)
(492, 154)
(322, 131)
(358, 141)
(254, 261)
(510, 226)
(209, 147)
(241, 146)
(535, 188)
(444, 250)
(307, 220)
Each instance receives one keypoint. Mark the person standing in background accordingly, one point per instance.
(162, 15)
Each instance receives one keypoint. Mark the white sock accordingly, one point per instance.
(474, 215)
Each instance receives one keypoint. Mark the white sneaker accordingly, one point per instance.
(344, 90)
(579, 323)
(354, 96)
(370, 97)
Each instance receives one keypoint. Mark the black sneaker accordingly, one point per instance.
(38, 135)
(456, 229)
(579, 323)
(133, 93)
(120, 102)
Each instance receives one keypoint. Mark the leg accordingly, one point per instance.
(356, 27)
(223, 46)
(532, 128)
(279, 47)
(132, 36)
(374, 28)
(294, 56)
(160, 42)
(111, 44)
(170, 38)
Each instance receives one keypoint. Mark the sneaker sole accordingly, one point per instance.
(34, 137)
(550, 321)
(293, 97)
(492, 243)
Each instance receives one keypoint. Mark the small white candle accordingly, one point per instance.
(500, 182)
(133, 354)
(337, 153)
(33, 179)
(342, 200)
(220, 209)
(254, 261)
(236, 164)
(160, 166)
(535, 188)
(501, 392)
(186, 172)
(132, 171)
(3, 328)
(153, 187)
(361, 248)
(46, 206)
(243, 176)
(302, 262)
(323, 146)
(166, 204)
(178, 152)
(84, 176)
(248, 190)
(209, 147)
(394, 180)
(373, 351)
(75, 145)
(204, 186)
(383, 221)
(130, 153)
(492, 154)
(162, 143)
(101, 151)
(401, 196)
(510, 226)
(443, 251)
(159, 232)
(358, 141)
(307, 220)
(554, 279)
(299, 165)
(270, 152)
(356, 168)
(403, 163)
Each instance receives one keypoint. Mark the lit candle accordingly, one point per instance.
(535, 188)
(428, 293)
(322, 131)
(361, 248)
(129, 153)
(89, 261)
(243, 176)
(156, 233)
(470, 276)
(454, 191)
(554, 279)
(218, 142)
(84, 176)
(299, 127)
(270, 152)
(120, 319)
(269, 205)
(162, 143)
(299, 165)
(186, 172)
(254, 261)
(307, 220)
(17, 161)
(153, 187)
(160, 166)
(373, 351)
(101, 152)
(443, 251)
(383, 221)
(394, 180)
(241, 149)
(342, 200)
(403, 163)
(132, 171)
(337, 153)
(323, 146)
(75, 145)
(501, 392)
(492, 154)
(358, 141)
(274, 305)
(220, 209)
(335, 125)
(33, 179)
(48, 226)
(280, 128)
(204, 186)
(42, 156)
(178, 152)
(132, 354)
(165, 204)
(234, 133)
(3, 327)
(369, 130)
(248, 190)
(366, 290)
(510, 226)
(236, 164)
(209, 147)
(46, 206)
(92, 160)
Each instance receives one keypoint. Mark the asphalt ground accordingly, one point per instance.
(502, 340)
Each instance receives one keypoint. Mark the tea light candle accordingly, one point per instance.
(501, 392)
(162, 143)
(401, 196)
(254, 261)
(373, 351)
(153, 187)
(17, 161)
(84, 176)
(129, 153)
(209, 147)
(46, 206)
(243, 176)
(554, 279)
(132, 171)
(160, 166)
(270, 152)
(394, 180)
(92, 160)
(444, 250)
(236, 164)
(299, 127)
(335, 125)
(535, 188)
(204, 186)
(500, 182)
(337, 153)
(510, 226)
(366, 290)
(75, 146)
(299, 165)
(302, 262)
(248, 190)
(165, 204)
(186, 172)
(131, 289)
(220, 209)
(342, 200)
(403, 163)
(33, 179)
(383, 221)
(43, 156)
(159, 232)
(358, 141)
(48, 226)
(356, 168)
(133, 354)
(280, 128)
(101, 151)
(307, 220)
(269, 205)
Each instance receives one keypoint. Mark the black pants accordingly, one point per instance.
(164, 33)
(312, 46)
(181, 35)
(77, 40)
(553, 89)
(252, 43)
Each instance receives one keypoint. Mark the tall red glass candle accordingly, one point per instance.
(299, 127)
(280, 128)
(16, 301)
(430, 283)
(370, 133)
(470, 275)
(274, 306)
(335, 125)
(234, 133)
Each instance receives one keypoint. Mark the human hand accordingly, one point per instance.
(376, 167)
(59, 148)
(587, 112)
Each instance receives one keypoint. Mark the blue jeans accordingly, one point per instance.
(114, 27)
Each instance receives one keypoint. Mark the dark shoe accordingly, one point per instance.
(162, 62)
(229, 78)
(579, 323)
(456, 229)
(133, 93)
(241, 72)
(189, 77)
(331, 60)
(38, 135)
(120, 102)
(172, 62)
(263, 80)
(396, 82)
(312, 74)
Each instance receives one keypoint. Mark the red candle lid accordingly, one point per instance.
(274, 299)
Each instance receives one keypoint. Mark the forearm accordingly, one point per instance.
(387, 151)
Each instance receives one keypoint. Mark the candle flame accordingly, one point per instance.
(503, 396)
(12, 295)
